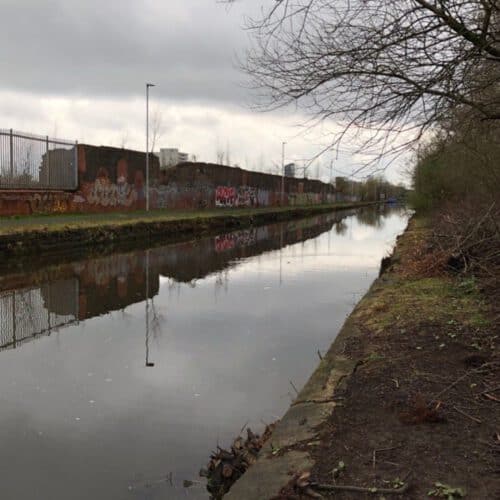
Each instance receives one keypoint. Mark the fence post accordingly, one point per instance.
(75, 169)
(48, 160)
(11, 143)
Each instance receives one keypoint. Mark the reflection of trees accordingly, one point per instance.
(370, 217)
(157, 320)
(221, 281)
(340, 227)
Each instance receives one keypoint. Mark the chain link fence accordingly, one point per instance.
(30, 161)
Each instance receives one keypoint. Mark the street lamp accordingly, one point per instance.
(282, 173)
(148, 85)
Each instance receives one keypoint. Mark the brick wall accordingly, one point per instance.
(114, 179)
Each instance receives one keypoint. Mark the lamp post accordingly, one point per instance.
(283, 173)
(148, 85)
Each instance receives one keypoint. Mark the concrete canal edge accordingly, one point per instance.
(287, 449)
(36, 240)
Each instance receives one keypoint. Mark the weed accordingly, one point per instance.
(445, 491)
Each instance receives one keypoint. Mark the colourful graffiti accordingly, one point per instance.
(228, 196)
(225, 196)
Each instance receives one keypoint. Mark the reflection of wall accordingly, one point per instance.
(60, 297)
(56, 295)
(113, 282)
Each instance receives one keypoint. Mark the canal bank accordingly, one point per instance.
(403, 403)
(61, 233)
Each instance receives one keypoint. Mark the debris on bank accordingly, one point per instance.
(227, 466)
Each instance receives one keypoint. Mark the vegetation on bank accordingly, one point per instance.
(456, 179)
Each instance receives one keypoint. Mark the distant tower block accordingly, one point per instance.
(290, 170)
(170, 157)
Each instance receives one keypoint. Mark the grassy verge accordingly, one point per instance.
(16, 224)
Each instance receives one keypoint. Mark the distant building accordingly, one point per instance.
(290, 170)
(170, 157)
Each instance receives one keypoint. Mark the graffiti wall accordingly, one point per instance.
(32, 202)
(114, 179)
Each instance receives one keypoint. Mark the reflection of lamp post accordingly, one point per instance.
(148, 363)
(147, 143)
(282, 173)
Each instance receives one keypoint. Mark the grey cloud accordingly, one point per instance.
(109, 49)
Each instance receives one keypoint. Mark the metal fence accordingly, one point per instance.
(28, 313)
(35, 162)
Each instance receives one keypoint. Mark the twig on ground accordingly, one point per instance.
(491, 397)
(467, 415)
(494, 389)
(374, 455)
(459, 379)
(360, 489)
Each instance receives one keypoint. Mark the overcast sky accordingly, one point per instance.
(77, 69)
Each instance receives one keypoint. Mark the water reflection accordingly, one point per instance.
(144, 359)
(44, 300)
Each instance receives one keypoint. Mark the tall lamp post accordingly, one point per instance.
(283, 173)
(148, 85)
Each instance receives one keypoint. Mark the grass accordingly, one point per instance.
(57, 222)
(409, 301)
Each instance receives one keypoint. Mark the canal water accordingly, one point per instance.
(119, 374)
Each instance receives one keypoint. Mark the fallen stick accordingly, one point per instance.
(360, 489)
(374, 460)
(491, 397)
(467, 415)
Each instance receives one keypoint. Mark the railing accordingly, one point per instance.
(36, 162)
(25, 314)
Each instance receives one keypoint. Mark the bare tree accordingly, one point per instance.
(124, 139)
(385, 70)
(219, 153)
(157, 128)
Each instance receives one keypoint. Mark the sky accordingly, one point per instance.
(77, 69)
